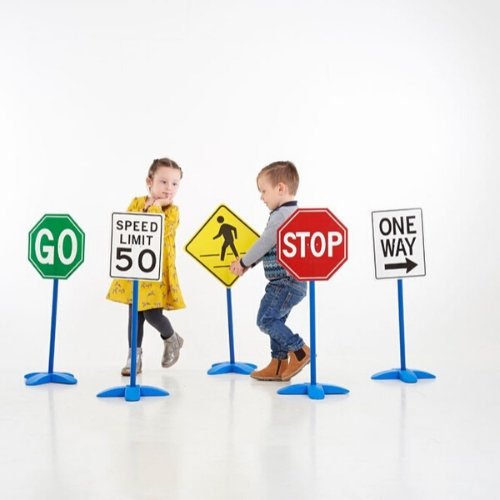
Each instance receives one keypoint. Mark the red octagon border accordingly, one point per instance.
(285, 264)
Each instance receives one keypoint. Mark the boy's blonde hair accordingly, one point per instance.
(282, 171)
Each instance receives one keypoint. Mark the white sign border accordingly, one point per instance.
(423, 244)
(139, 215)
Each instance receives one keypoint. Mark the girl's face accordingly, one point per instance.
(269, 194)
(164, 184)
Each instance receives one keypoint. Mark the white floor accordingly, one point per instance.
(228, 436)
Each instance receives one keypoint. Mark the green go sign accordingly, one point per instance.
(56, 246)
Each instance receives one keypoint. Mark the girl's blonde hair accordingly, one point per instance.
(162, 162)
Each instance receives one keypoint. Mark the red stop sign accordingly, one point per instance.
(312, 244)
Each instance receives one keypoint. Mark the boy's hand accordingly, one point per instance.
(237, 268)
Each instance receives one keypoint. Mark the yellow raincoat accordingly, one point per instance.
(164, 294)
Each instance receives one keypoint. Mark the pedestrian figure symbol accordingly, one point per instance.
(214, 244)
(229, 234)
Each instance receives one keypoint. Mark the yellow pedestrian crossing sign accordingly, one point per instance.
(223, 238)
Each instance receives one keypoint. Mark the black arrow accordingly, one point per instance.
(408, 265)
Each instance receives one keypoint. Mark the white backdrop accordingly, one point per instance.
(381, 105)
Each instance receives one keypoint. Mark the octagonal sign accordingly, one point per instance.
(312, 244)
(56, 246)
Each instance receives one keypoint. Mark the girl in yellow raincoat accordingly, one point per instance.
(163, 181)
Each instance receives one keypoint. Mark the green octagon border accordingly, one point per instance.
(77, 229)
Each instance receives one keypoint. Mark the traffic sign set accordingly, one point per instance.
(136, 254)
(56, 248)
(398, 246)
(312, 244)
(221, 239)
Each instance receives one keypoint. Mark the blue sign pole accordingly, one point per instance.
(229, 303)
(231, 366)
(133, 392)
(37, 378)
(312, 327)
(410, 376)
(313, 390)
(401, 318)
(133, 340)
(53, 322)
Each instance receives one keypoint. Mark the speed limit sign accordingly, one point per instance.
(136, 246)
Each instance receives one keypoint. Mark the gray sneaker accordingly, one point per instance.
(126, 369)
(171, 352)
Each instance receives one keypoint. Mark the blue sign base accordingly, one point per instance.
(232, 367)
(408, 376)
(132, 392)
(38, 378)
(314, 391)
(404, 374)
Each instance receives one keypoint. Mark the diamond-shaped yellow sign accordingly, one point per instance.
(223, 238)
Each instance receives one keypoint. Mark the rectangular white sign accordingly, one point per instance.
(136, 246)
(398, 243)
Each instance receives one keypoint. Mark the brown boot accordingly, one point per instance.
(298, 359)
(273, 371)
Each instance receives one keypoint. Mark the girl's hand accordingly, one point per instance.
(148, 203)
(159, 202)
(163, 202)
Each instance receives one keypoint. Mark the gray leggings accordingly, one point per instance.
(155, 318)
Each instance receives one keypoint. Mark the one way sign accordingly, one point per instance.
(398, 243)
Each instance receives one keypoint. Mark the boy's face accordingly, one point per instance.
(271, 196)
(164, 184)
